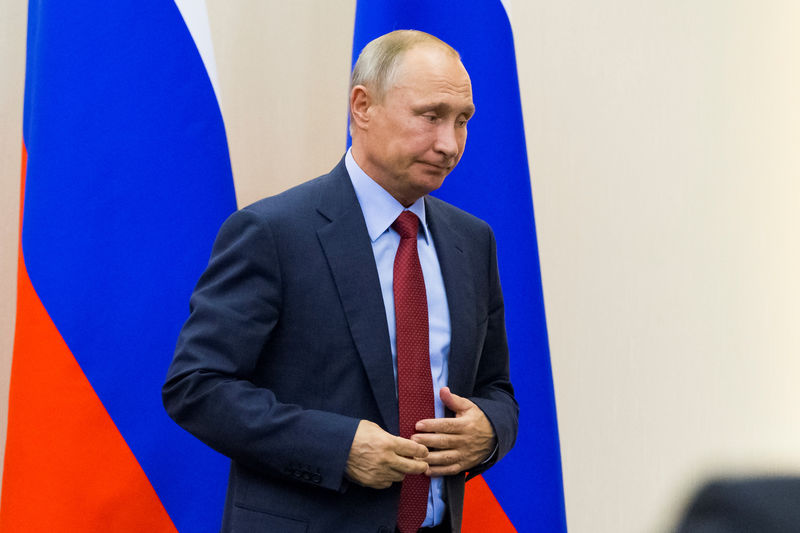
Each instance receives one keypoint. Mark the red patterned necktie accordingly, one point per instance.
(414, 382)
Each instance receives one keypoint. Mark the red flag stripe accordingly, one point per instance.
(482, 512)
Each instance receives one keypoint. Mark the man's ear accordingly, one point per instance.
(360, 103)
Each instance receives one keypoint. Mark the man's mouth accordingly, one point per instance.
(438, 167)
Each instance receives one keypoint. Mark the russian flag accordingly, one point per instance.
(125, 181)
(523, 492)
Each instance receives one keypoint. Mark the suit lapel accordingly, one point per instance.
(346, 245)
(459, 286)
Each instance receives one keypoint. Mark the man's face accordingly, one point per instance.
(416, 135)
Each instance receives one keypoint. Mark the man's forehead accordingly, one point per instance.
(427, 57)
(435, 67)
(440, 81)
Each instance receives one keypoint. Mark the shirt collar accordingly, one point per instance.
(380, 208)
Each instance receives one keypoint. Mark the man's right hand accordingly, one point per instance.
(378, 459)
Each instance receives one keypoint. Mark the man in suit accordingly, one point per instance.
(346, 345)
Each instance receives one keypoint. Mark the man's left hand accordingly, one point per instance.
(456, 444)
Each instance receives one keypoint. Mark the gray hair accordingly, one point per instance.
(379, 60)
(377, 64)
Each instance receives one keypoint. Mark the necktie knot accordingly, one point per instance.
(407, 225)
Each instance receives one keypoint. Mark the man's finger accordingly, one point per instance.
(404, 466)
(440, 425)
(409, 448)
(454, 402)
(438, 441)
(444, 458)
(440, 471)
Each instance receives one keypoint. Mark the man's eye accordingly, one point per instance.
(430, 118)
(461, 123)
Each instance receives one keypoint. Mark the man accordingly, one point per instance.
(346, 345)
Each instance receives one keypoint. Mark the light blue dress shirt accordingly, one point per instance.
(380, 210)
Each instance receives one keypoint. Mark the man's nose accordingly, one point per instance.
(447, 140)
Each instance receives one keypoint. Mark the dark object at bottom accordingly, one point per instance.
(751, 505)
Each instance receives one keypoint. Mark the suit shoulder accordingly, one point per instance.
(457, 217)
(290, 202)
(299, 203)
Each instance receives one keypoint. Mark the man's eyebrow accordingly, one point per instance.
(442, 108)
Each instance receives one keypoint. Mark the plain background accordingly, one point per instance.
(663, 138)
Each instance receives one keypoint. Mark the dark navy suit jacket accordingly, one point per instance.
(287, 348)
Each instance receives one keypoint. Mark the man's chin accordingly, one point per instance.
(430, 181)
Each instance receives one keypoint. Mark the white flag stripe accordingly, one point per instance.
(195, 15)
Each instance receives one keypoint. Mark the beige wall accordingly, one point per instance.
(666, 174)
(663, 140)
(283, 69)
(13, 19)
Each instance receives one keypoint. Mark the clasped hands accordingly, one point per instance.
(442, 446)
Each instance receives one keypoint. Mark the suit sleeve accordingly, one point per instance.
(493, 391)
(233, 310)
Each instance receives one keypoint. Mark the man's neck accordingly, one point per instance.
(370, 170)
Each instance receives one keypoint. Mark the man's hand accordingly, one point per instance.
(378, 459)
(456, 444)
